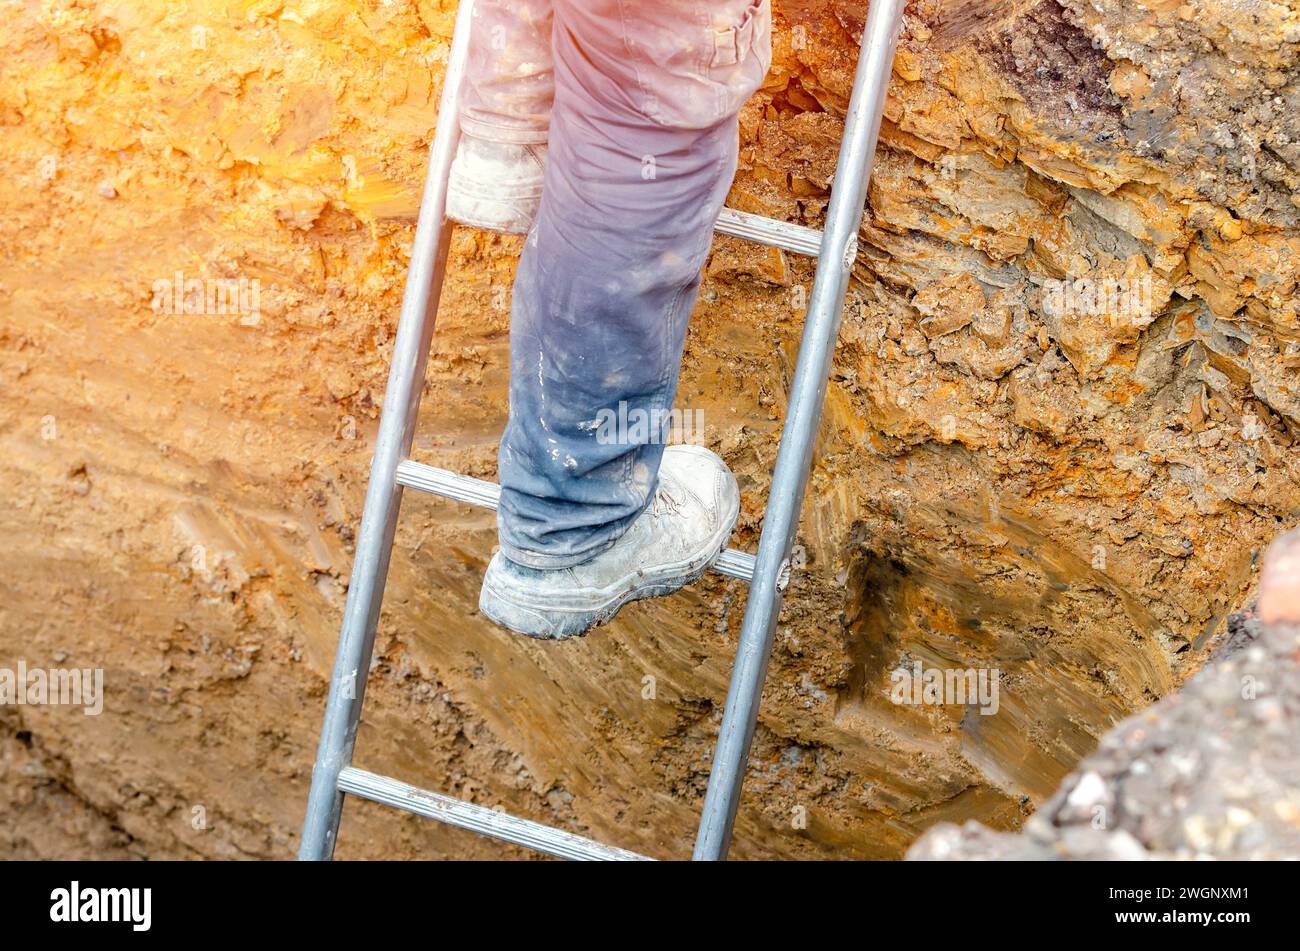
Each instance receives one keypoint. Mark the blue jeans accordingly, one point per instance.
(638, 101)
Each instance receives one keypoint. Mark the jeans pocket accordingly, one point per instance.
(731, 44)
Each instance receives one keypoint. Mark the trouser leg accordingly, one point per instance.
(643, 144)
(509, 81)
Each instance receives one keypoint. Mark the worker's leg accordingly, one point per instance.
(505, 111)
(642, 151)
(509, 82)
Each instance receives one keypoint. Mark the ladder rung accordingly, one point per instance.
(480, 819)
(735, 564)
(449, 485)
(416, 475)
(778, 234)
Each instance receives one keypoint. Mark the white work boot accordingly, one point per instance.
(495, 186)
(674, 540)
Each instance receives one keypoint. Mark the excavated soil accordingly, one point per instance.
(1076, 499)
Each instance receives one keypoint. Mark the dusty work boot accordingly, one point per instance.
(495, 186)
(670, 544)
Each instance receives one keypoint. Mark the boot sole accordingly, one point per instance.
(490, 214)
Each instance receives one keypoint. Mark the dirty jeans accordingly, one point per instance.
(638, 100)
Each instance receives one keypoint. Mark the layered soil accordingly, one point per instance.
(1075, 496)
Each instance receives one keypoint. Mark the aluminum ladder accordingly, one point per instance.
(391, 471)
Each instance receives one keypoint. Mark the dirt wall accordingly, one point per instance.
(1060, 428)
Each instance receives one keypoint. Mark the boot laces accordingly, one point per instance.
(666, 501)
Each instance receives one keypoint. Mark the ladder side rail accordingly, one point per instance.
(383, 494)
(798, 435)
